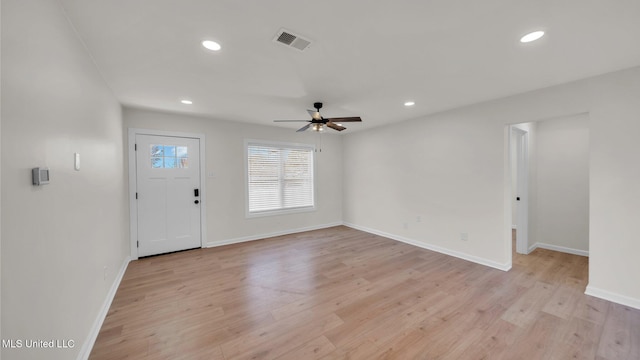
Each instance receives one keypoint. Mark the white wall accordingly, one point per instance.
(438, 169)
(225, 192)
(614, 188)
(449, 168)
(57, 238)
(563, 184)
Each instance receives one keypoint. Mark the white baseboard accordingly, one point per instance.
(613, 297)
(472, 258)
(269, 235)
(559, 248)
(85, 351)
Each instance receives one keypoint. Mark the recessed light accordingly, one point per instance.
(409, 103)
(211, 45)
(533, 36)
(186, 102)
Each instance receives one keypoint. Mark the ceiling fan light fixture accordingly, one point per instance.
(211, 45)
(532, 36)
(317, 122)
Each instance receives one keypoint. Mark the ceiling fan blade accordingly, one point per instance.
(315, 115)
(345, 119)
(335, 126)
(304, 128)
(289, 120)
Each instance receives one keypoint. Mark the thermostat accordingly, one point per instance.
(40, 175)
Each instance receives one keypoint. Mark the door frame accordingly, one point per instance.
(133, 187)
(520, 139)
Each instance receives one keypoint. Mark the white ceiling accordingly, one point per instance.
(366, 59)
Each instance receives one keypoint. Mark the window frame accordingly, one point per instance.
(280, 145)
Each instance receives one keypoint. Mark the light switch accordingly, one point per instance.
(76, 162)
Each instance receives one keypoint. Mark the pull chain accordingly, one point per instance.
(319, 142)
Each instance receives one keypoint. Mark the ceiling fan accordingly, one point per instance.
(317, 122)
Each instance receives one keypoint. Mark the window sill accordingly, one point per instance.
(257, 214)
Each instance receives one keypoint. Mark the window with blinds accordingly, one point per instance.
(279, 177)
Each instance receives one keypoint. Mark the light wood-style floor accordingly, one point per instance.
(340, 293)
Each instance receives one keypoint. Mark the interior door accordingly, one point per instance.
(521, 142)
(168, 194)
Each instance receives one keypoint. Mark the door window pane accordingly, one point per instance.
(169, 150)
(169, 162)
(181, 151)
(156, 162)
(157, 150)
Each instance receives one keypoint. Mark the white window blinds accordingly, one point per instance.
(280, 177)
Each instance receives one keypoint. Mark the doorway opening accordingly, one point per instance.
(548, 180)
(520, 187)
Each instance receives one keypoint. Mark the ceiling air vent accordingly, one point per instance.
(287, 38)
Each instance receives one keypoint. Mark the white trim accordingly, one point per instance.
(296, 210)
(613, 297)
(559, 248)
(420, 244)
(85, 351)
(303, 146)
(133, 212)
(268, 235)
(507, 197)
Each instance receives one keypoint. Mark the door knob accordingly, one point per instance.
(197, 202)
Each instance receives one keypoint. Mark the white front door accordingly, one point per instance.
(168, 193)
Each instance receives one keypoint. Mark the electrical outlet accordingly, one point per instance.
(105, 273)
(405, 225)
(464, 236)
(418, 218)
